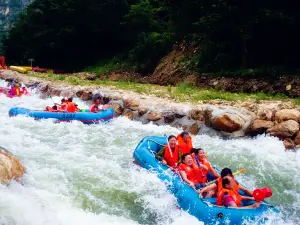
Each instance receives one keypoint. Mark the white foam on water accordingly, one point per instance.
(78, 174)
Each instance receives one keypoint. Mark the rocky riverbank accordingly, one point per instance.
(231, 119)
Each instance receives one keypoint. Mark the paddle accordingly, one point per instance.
(52, 100)
(235, 173)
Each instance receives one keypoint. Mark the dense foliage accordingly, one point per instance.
(229, 34)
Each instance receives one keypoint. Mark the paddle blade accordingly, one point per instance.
(240, 171)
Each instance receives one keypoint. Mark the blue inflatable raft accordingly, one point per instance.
(85, 117)
(188, 199)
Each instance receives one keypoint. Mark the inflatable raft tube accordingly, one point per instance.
(188, 199)
(85, 117)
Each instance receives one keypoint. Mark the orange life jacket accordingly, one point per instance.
(220, 189)
(24, 91)
(193, 173)
(237, 198)
(167, 156)
(17, 91)
(48, 108)
(93, 107)
(187, 146)
(71, 107)
(202, 171)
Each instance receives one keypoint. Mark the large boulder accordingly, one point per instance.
(284, 129)
(297, 138)
(86, 95)
(228, 122)
(289, 144)
(197, 114)
(131, 104)
(266, 113)
(142, 111)
(287, 114)
(259, 127)
(154, 116)
(10, 167)
(117, 108)
(194, 129)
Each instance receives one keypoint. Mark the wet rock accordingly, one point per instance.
(44, 88)
(197, 114)
(86, 95)
(264, 113)
(259, 127)
(10, 168)
(131, 104)
(52, 91)
(287, 114)
(67, 93)
(117, 108)
(297, 138)
(154, 116)
(207, 117)
(129, 114)
(228, 122)
(142, 111)
(79, 93)
(284, 129)
(179, 115)
(194, 129)
(288, 143)
(169, 117)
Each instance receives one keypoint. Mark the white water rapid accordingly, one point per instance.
(84, 175)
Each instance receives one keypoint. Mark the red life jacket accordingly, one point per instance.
(71, 107)
(192, 173)
(186, 147)
(237, 198)
(93, 108)
(167, 156)
(24, 91)
(203, 172)
(220, 189)
(48, 108)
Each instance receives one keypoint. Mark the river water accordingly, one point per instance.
(78, 174)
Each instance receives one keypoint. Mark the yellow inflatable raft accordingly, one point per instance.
(21, 69)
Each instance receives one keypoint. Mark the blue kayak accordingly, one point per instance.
(188, 199)
(85, 117)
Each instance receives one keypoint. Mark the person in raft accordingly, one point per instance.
(15, 89)
(96, 107)
(171, 153)
(199, 159)
(229, 196)
(185, 142)
(214, 188)
(192, 174)
(72, 107)
(24, 91)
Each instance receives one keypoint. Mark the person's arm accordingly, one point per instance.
(247, 191)
(213, 171)
(184, 177)
(208, 188)
(179, 156)
(246, 198)
(160, 155)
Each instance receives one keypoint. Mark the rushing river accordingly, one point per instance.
(78, 174)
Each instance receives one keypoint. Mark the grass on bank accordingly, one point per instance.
(183, 93)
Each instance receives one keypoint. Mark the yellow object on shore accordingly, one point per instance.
(28, 68)
(21, 69)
